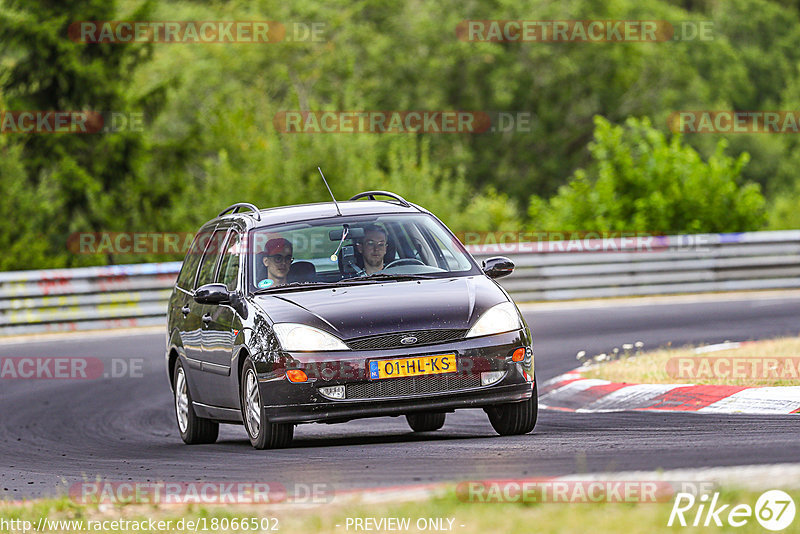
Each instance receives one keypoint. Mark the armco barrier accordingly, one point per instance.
(136, 295)
(86, 298)
(670, 265)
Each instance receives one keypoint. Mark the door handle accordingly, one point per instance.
(207, 318)
(185, 311)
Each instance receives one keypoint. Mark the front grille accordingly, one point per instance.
(392, 341)
(416, 385)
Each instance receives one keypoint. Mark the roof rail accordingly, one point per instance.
(371, 195)
(234, 208)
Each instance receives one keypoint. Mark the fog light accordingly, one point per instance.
(491, 377)
(332, 392)
(518, 355)
(296, 375)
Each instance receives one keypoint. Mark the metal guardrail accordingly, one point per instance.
(136, 295)
(665, 265)
(86, 298)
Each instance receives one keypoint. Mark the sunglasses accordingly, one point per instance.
(279, 258)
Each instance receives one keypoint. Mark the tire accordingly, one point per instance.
(262, 433)
(425, 422)
(194, 430)
(515, 418)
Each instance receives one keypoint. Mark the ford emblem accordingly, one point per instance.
(409, 340)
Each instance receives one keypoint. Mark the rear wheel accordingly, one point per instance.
(262, 433)
(516, 417)
(193, 429)
(425, 422)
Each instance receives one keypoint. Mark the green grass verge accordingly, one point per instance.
(773, 362)
(469, 518)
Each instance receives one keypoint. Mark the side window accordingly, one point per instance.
(210, 257)
(229, 269)
(446, 258)
(419, 245)
(445, 248)
(192, 259)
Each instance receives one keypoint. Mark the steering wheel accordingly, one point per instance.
(405, 261)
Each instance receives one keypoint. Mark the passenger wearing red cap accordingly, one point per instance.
(278, 259)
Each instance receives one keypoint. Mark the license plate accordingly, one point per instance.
(419, 365)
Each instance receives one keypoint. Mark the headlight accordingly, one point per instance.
(496, 320)
(306, 338)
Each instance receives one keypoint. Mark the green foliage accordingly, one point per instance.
(784, 213)
(640, 180)
(24, 242)
(209, 138)
(92, 181)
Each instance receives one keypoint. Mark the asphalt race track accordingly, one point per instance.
(57, 432)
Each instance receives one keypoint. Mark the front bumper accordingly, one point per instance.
(337, 412)
(287, 402)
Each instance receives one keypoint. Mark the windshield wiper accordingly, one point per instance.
(300, 286)
(398, 277)
(295, 285)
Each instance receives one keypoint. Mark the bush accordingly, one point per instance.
(639, 180)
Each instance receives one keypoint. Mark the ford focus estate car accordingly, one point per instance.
(324, 313)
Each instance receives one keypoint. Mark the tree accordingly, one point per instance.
(95, 180)
(639, 180)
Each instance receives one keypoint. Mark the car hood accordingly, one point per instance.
(386, 307)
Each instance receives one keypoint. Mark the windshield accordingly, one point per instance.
(355, 250)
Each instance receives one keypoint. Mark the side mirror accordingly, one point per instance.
(212, 294)
(498, 267)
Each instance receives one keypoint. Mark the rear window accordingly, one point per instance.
(192, 259)
(229, 269)
(210, 259)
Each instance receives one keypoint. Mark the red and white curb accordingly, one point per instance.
(572, 392)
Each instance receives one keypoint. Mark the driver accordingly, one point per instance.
(372, 248)
(278, 259)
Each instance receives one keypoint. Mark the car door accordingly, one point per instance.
(200, 315)
(186, 310)
(225, 323)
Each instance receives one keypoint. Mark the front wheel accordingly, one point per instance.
(193, 429)
(515, 418)
(262, 433)
(425, 422)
